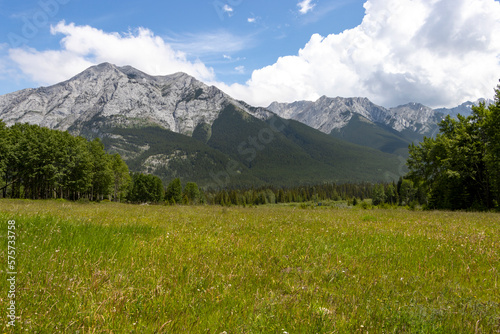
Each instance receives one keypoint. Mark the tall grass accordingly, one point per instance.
(115, 268)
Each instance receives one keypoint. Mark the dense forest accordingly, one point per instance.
(401, 193)
(460, 167)
(39, 163)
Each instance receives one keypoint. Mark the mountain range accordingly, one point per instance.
(176, 126)
(362, 122)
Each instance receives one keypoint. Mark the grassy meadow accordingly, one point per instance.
(117, 268)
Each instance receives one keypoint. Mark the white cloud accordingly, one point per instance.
(212, 42)
(84, 46)
(230, 59)
(227, 9)
(3, 60)
(240, 69)
(437, 52)
(305, 6)
(251, 20)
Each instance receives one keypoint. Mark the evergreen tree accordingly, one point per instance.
(390, 194)
(406, 192)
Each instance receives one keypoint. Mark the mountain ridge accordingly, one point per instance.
(124, 96)
(327, 114)
(360, 121)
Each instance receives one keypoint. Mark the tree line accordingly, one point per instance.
(403, 192)
(39, 163)
(147, 188)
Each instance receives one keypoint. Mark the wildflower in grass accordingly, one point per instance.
(323, 311)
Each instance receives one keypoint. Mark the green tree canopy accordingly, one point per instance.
(39, 163)
(121, 177)
(145, 188)
(461, 166)
(191, 192)
(378, 196)
(174, 191)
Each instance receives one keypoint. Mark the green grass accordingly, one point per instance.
(115, 268)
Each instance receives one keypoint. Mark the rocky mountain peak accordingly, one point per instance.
(106, 95)
(101, 70)
(327, 114)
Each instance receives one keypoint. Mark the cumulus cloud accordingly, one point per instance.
(305, 6)
(437, 52)
(84, 46)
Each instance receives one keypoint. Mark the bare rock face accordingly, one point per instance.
(106, 96)
(413, 116)
(327, 114)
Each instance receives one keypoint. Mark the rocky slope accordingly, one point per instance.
(105, 96)
(331, 115)
(328, 114)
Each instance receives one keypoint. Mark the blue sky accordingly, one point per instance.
(439, 52)
(248, 34)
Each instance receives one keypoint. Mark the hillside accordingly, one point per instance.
(359, 130)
